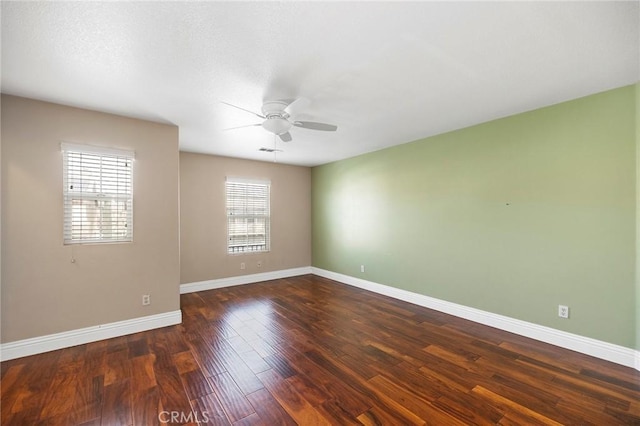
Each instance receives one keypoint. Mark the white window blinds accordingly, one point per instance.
(248, 215)
(98, 194)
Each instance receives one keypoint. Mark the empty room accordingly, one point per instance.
(320, 213)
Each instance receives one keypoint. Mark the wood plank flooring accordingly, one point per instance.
(311, 351)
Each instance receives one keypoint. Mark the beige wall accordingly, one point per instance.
(42, 291)
(203, 218)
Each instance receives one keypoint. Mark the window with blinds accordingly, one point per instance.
(248, 215)
(98, 194)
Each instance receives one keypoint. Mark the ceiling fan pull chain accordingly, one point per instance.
(275, 150)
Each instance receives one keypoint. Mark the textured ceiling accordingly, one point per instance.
(385, 73)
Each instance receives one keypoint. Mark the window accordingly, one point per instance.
(98, 194)
(248, 220)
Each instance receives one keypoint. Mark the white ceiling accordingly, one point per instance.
(385, 73)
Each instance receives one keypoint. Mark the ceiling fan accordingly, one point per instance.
(278, 118)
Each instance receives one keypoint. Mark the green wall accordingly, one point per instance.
(513, 216)
(637, 295)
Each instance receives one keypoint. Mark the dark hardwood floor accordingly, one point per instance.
(312, 351)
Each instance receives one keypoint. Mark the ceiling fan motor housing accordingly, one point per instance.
(277, 118)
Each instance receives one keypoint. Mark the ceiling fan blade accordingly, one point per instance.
(246, 110)
(285, 137)
(316, 126)
(240, 127)
(296, 106)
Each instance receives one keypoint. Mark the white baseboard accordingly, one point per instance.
(52, 342)
(596, 348)
(243, 279)
(599, 349)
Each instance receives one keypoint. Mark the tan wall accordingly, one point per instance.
(203, 218)
(42, 291)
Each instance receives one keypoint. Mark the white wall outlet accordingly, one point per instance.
(563, 311)
(146, 299)
(361, 268)
(242, 265)
(259, 264)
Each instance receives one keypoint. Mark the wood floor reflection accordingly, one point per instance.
(309, 351)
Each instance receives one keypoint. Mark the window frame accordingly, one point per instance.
(115, 194)
(259, 213)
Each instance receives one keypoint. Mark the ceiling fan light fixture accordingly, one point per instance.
(276, 125)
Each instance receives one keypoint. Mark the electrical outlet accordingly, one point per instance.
(361, 268)
(146, 299)
(259, 264)
(242, 265)
(563, 311)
